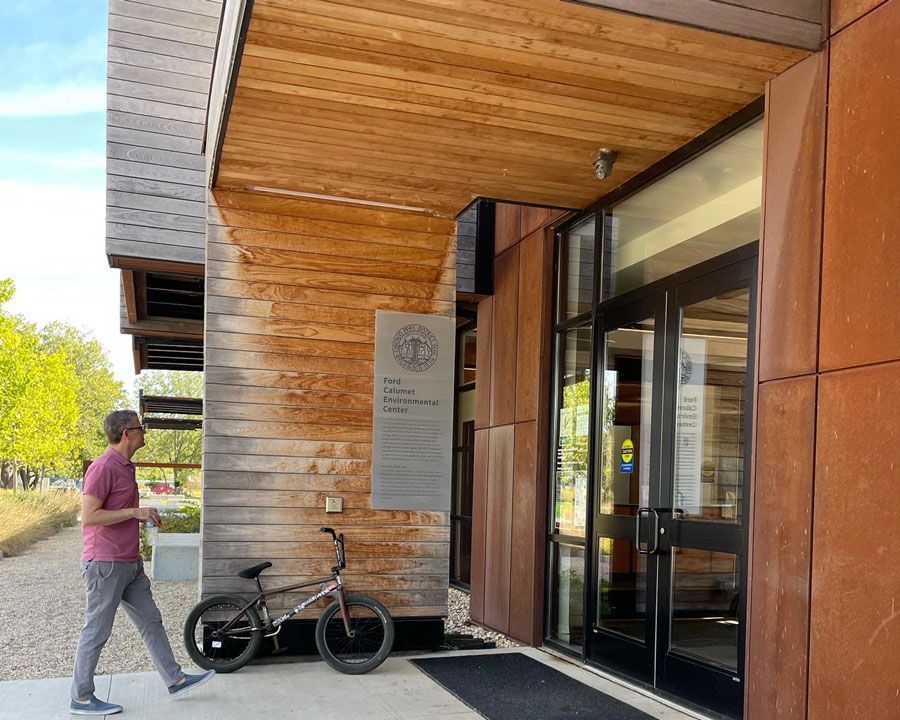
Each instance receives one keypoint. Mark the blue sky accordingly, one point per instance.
(52, 167)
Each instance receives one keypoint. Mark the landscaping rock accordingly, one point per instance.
(458, 621)
(42, 588)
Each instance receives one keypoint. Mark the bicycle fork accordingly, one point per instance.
(345, 614)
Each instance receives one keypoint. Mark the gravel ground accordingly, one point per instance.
(42, 605)
(458, 621)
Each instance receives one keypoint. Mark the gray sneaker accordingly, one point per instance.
(94, 707)
(191, 681)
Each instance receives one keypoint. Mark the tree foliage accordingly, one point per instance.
(98, 392)
(43, 418)
(170, 446)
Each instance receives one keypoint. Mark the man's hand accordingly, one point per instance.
(148, 513)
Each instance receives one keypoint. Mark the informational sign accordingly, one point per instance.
(412, 425)
(691, 378)
(627, 456)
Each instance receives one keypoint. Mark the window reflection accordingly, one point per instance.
(570, 486)
(705, 598)
(704, 208)
(622, 588)
(467, 347)
(624, 463)
(566, 594)
(576, 279)
(709, 421)
(463, 458)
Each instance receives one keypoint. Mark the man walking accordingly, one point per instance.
(113, 570)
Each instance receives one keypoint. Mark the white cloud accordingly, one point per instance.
(40, 101)
(52, 243)
(74, 160)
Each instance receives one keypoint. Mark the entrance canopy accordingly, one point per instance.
(430, 105)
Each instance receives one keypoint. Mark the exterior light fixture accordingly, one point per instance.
(603, 161)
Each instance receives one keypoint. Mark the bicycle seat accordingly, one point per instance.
(252, 572)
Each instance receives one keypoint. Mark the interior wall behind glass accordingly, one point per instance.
(706, 207)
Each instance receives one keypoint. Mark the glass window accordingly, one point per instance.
(706, 207)
(706, 589)
(622, 588)
(463, 458)
(709, 419)
(623, 466)
(467, 345)
(576, 270)
(566, 594)
(573, 445)
(461, 551)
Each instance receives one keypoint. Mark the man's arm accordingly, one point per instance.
(92, 513)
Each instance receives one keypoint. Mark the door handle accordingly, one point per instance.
(651, 534)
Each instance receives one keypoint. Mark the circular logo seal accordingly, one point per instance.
(415, 348)
(687, 367)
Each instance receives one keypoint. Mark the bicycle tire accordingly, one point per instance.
(371, 643)
(231, 653)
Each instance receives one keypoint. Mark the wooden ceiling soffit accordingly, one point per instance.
(432, 104)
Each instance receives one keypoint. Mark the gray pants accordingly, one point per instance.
(107, 584)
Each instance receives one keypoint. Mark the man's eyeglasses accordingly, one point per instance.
(142, 428)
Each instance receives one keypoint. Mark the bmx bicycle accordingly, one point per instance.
(354, 634)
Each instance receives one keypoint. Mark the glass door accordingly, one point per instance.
(668, 533)
(703, 504)
(626, 474)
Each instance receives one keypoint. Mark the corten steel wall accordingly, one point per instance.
(824, 574)
(291, 292)
(511, 419)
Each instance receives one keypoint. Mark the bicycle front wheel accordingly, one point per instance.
(220, 635)
(370, 639)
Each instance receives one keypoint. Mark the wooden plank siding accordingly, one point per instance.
(159, 66)
(292, 288)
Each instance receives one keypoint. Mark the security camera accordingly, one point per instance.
(603, 160)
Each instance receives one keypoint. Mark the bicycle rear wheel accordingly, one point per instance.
(215, 647)
(371, 635)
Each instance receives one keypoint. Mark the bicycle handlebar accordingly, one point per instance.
(338, 541)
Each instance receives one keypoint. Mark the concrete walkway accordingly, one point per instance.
(301, 691)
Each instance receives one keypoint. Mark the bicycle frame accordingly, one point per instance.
(333, 586)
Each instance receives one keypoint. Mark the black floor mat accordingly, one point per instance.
(513, 686)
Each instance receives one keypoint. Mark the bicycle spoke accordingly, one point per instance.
(365, 640)
(223, 645)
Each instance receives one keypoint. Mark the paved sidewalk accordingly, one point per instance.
(302, 691)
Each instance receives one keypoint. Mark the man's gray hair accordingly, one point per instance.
(116, 422)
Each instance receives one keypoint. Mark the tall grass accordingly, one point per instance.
(26, 517)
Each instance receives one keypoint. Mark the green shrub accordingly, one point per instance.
(185, 519)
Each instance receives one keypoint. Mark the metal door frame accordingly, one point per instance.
(675, 677)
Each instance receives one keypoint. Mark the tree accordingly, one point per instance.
(171, 446)
(38, 408)
(98, 392)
